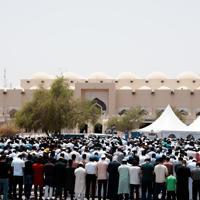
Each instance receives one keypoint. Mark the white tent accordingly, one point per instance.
(168, 121)
(195, 125)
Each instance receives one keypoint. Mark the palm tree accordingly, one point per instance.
(131, 119)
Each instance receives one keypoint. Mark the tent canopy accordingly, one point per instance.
(195, 125)
(168, 121)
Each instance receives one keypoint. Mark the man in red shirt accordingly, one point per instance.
(38, 177)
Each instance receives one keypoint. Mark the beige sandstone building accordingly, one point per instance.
(114, 95)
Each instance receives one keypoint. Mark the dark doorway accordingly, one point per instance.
(84, 128)
(98, 128)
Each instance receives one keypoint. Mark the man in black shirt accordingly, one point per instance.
(28, 176)
(147, 179)
(59, 177)
(5, 170)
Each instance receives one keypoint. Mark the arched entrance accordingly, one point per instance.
(84, 128)
(98, 128)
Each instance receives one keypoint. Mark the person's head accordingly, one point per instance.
(180, 159)
(170, 173)
(135, 163)
(91, 159)
(167, 159)
(184, 163)
(29, 157)
(160, 160)
(84, 156)
(124, 161)
(80, 164)
(103, 157)
(70, 162)
(2, 157)
(73, 157)
(143, 153)
(198, 164)
(147, 160)
(153, 155)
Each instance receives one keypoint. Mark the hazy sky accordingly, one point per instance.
(111, 36)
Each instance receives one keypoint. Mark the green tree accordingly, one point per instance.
(55, 109)
(131, 119)
(86, 112)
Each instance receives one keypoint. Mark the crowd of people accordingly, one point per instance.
(103, 167)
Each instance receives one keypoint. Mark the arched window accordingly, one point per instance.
(100, 103)
(123, 111)
(12, 113)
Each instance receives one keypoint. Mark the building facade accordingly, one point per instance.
(114, 95)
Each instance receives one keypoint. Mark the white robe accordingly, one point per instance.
(80, 183)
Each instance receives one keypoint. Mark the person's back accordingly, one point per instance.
(59, 172)
(5, 170)
(147, 172)
(124, 179)
(171, 187)
(169, 165)
(49, 179)
(113, 178)
(182, 175)
(70, 179)
(161, 172)
(134, 175)
(80, 181)
(147, 179)
(18, 164)
(28, 177)
(195, 175)
(18, 172)
(102, 166)
(91, 170)
(38, 173)
(38, 177)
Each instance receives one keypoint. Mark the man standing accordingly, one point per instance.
(182, 175)
(134, 174)
(102, 166)
(70, 180)
(28, 176)
(4, 176)
(91, 170)
(124, 180)
(195, 174)
(18, 172)
(113, 180)
(38, 177)
(48, 181)
(80, 174)
(147, 170)
(60, 177)
(161, 173)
